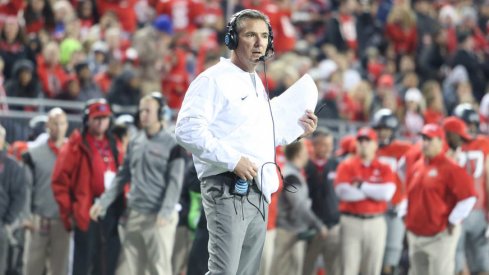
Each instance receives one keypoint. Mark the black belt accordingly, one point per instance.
(231, 177)
(362, 216)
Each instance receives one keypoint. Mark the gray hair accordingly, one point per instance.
(248, 14)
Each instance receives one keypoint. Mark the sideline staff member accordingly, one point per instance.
(226, 123)
(440, 195)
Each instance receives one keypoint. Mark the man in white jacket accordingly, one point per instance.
(226, 123)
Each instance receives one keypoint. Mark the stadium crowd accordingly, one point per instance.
(407, 192)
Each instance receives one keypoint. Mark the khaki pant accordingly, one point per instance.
(267, 255)
(363, 243)
(288, 255)
(433, 255)
(181, 249)
(328, 248)
(47, 247)
(147, 247)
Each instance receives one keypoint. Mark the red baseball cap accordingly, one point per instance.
(99, 109)
(457, 126)
(366, 132)
(433, 131)
(386, 80)
(347, 145)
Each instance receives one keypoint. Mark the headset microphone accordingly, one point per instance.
(269, 54)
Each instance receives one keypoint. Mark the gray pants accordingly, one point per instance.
(4, 244)
(236, 227)
(473, 245)
(395, 237)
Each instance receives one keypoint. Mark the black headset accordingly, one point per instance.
(232, 38)
(86, 110)
(161, 104)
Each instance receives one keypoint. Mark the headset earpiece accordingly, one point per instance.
(161, 104)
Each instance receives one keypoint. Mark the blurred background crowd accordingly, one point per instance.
(418, 58)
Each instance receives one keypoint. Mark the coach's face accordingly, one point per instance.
(253, 40)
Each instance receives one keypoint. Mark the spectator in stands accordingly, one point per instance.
(49, 70)
(152, 43)
(12, 47)
(385, 88)
(85, 11)
(320, 175)
(123, 10)
(413, 119)
(48, 246)
(10, 8)
(98, 57)
(84, 168)
(432, 60)
(23, 83)
(342, 29)
(295, 215)
(156, 183)
(88, 88)
(400, 29)
(13, 197)
(426, 23)
(364, 186)
(70, 89)
(471, 62)
(70, 53)
(125, 89)
(176, 80)
(63, 13)
(435, 107)
(105, 78)
(38, 15)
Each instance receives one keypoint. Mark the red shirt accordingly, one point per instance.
(432, 116)
(394, 156)
(51, 78)
(475, 154)
(186, 15)
(434, 189)
(404, 40)
(102, 161)
(352, 170)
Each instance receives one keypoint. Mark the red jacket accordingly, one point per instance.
(71, 180)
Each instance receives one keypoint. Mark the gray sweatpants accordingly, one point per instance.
(4, 244)
(236, 227)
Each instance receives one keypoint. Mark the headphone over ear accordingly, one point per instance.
(231, 39)
(161, 104)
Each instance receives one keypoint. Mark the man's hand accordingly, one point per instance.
(28, 224)
(160, 222)
(324, 232)
(95, 211)
(310, 122)
(246, 169)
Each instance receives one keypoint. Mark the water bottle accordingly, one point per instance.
(241, 187)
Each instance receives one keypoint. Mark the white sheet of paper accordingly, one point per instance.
(292, 104)
(108, 179)
(287, 109)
